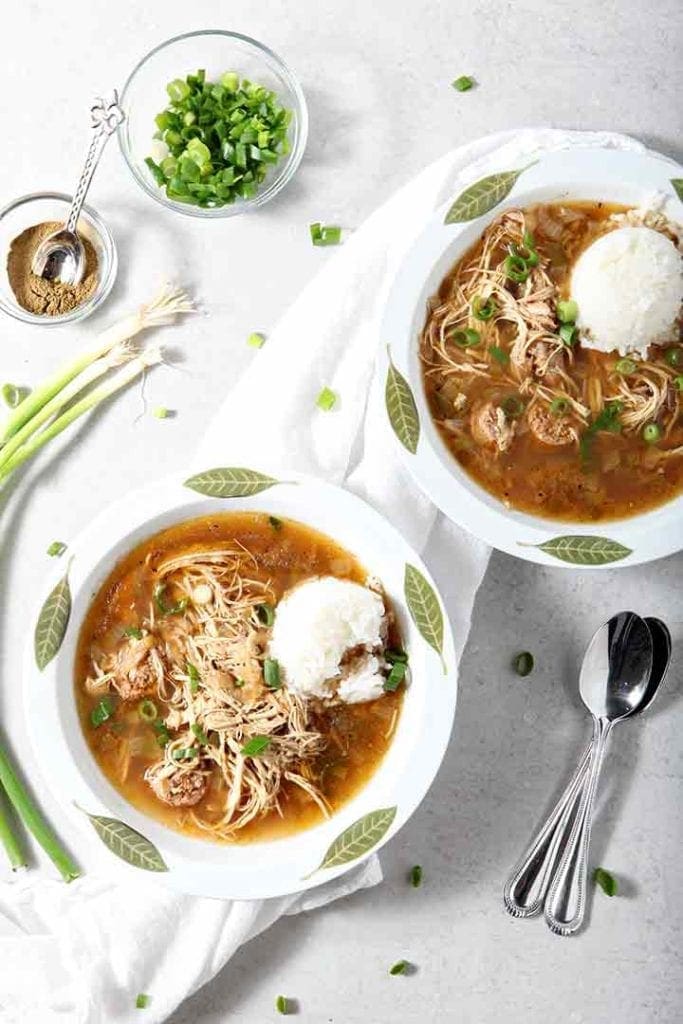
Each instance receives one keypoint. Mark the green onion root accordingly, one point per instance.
(9, 838)
(34, 820)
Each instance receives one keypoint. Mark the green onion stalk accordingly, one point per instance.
(41, 416)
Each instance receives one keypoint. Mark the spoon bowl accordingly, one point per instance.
(617, 667)
(60, 257)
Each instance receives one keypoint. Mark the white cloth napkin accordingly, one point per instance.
(79, 954)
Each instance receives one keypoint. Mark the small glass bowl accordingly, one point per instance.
(144, 96)
(37, 208)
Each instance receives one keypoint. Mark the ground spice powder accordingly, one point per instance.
(35, 294)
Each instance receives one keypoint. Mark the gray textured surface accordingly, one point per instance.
(377, 79)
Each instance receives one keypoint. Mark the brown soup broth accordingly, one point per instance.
(624, 476)
(358, 735)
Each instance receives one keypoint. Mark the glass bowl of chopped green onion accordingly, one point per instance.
(216, 124)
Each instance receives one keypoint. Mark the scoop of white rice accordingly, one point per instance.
(628, 286)
(316, 624)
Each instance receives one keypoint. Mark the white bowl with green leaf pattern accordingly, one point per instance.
(589, 174)
(108, 833)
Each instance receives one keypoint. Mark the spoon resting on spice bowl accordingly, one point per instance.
(61, 256)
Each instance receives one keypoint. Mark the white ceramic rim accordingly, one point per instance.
(608, 175)
(255, 870)
(276, 183)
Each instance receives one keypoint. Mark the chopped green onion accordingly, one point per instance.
(230, 81)
(483, 309)
(102, 711)
(134, 632)
(271, 674)
(512, 406)
(400, 967)
(567, 311)
(395, 677)
(606, 881)
(326, 399)
(178, 90)
(463, 84)
(238, 684)
(568, 333)
(266, 613)
(516, 268)
(256, 340)
(500, 355)
(674, 357)
(168, 609)
(523, 663)
(147, 711)
(185, 753)
(527, 250)
(13, 395)
(282, 1005)
(199, 733)
(652, 433)
(678, 383)
(324, 234)
(255, 746)
(560, 406)
(393, 654)
(161, 729)
(193, 676)
(56, 549)
(464, 339)
(276, 523)
(142, 1001)
(416, 876)
(161, 412)
(626, 366)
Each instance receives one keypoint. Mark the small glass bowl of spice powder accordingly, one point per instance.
(23, 225)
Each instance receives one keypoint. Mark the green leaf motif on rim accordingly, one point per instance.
(230, 482)
(358, 838)
(401, 408)
(583, 549)
(52, 623)
(424, 608)
(482, 196)
(678, 187)
(127, 844)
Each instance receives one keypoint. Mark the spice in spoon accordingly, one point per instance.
(38, 295)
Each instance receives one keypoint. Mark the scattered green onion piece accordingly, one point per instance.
(416, 876)
(523, 663)
(326, 399)
(500, 355)
(512, 406)
(282, 1005)
(393, 654)
(161, 729)
(674, 357)
(678, 383)
(652, 433)
(395, 677)
(165, 609)
(516, 269)
(276, 523)
(185, 753)
(193, 676)
(266, 613)
(324, 234)
(483, 309)
(147, 711)
(13, 395)
(161, 412)
(256, 340)
(199, 733)
(560, 406)
(463, 84)
(465, 339)
(271, 674)
(255, 746)
(56, 549)
(567, 311)
(142, 1001)
(400, 967)
(238, 684)
(626, 366)
(568, 333)
(606, 881)
(134, 632)
(101, 712)
(526, 252)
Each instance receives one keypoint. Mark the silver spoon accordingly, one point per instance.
(525, 890)
(61, 255)
(613, 682)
